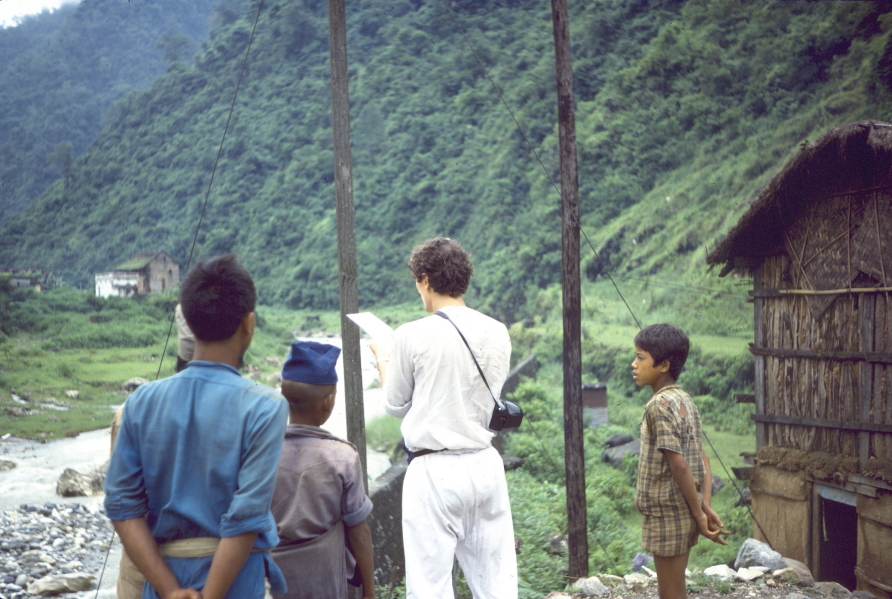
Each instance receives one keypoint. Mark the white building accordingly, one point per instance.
(142, 274)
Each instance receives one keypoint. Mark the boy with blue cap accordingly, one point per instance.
(319, 495)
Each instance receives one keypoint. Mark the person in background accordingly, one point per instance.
(190, 481)
(455, 496)
(185, 339)
(320, 492)
(671, 493)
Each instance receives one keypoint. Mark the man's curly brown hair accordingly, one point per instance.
(446, 264)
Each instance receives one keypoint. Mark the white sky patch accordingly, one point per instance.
(11, 11)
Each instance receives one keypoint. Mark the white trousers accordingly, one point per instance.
(457, 505)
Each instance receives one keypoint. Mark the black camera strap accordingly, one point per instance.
(442, 314)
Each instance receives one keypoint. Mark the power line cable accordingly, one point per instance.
(739, 492)
(207, 194)
(198, 225)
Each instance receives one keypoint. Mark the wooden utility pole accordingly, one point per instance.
(343, 176)
(574, 457)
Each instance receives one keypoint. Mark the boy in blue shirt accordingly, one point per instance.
(191, 477)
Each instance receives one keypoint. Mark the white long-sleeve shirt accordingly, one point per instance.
(433, 384)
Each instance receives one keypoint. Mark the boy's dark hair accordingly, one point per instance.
(446, 264)
(216, 295)
(665, 342)
(305, 396)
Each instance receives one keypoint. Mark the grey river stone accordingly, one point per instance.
(34, 565)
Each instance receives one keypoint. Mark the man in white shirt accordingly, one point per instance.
(455, 498)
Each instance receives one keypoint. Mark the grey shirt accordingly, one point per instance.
(320, 482)
(319, 490)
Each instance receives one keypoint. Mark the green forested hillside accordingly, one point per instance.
(59, 72)
(684, 110)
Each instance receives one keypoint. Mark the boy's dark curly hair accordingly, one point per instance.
(665, 342)
(216, 295)
(446, 264)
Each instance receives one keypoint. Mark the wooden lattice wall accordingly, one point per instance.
(823, 337)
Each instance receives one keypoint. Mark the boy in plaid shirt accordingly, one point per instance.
(671, 493)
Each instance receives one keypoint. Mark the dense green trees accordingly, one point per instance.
(61, 71)
(683, 111)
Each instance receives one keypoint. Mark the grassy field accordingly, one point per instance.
(64, 391)
(70, 391)
(622, 336)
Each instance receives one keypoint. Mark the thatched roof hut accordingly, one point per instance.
(818, 245)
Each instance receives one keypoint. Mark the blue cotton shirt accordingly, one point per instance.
(197, 454)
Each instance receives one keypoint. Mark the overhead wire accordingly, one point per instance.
(582, 231)
(207, 194)
(198, 225)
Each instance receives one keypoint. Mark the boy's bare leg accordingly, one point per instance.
(670, 575)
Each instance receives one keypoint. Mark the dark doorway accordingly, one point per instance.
(839, 543)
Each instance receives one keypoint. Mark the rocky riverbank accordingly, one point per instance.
(61, 548)
(51, 549)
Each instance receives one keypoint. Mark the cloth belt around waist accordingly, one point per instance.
(195, 547)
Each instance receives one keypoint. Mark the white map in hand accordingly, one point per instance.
(377, 329)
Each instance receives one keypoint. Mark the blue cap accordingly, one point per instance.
(312, 362)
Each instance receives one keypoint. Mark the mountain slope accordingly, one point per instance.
(683, 110)
(60, 72)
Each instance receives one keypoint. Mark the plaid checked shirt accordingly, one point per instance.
(663, 427)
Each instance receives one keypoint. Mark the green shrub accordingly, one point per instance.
(726, 415)
(539, 510)
(383, 430)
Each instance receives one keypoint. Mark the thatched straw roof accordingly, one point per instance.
(848, 160)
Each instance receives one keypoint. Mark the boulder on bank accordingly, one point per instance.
(74, 484)
(756, 553)
(591, 587)
(62, 583)
(720, 571)
(797, 571)
(614, 455)
(619, 439)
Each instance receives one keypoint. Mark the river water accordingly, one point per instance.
(39, 465)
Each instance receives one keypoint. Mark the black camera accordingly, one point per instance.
(506, 414)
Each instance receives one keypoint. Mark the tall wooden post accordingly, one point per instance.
(574, 457)
(343, 176)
